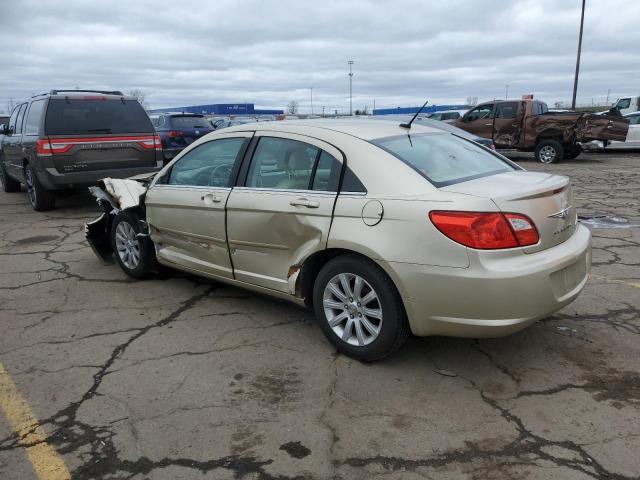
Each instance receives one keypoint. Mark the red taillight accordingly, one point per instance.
(486, 231)
(174, 133)
(43, 148)
(151, 143)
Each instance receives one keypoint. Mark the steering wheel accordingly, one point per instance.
(223, 171)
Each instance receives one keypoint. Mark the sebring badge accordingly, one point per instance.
(564, 213)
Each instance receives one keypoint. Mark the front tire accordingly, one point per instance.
(135, 254)
(359, 309)
(9, 185)
(41, 199)
(549, 151)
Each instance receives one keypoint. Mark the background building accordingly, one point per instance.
(220, 109)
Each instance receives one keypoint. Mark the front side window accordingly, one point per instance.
(624, 103)
(207, 165)
(14, 118)
(479, 113)
(32, 124)
(507, 110)
(19, 122)
(442, 158)
(281, 163)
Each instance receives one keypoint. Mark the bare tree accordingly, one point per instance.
(11, 103)
(140, 96)
(471, 101)
(292, 107)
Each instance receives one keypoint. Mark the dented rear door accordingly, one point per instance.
(601, 127)
(282, 211)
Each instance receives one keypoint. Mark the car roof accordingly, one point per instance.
(364, 129)
(630, 113)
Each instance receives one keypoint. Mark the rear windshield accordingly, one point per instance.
(89, 116)
(190, 122)
(442, 158)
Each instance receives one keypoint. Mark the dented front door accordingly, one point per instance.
(282, 212)
(186, 207)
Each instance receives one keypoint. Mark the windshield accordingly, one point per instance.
(444, 159)
(190, 122)
(87, 116)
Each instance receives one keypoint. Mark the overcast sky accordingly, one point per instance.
(271, 52)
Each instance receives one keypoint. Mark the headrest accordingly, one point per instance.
(299, 160)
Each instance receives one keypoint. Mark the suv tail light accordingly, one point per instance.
(486, 231)
(151, 143)
(174, 133)
(45, 148)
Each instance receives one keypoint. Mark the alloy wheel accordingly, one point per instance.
(547, 154)
(127, 245)
(353, 309)
(28, 177)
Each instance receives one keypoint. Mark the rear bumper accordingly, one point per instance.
(498, 294)
(52, 179)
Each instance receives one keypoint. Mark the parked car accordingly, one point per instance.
(178, 130)
(528, 125)
(4, 119)
(66, 139)
(220, 124)
(381, 230)
(446, 115)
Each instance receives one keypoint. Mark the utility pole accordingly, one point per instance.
(350, 62)
(608, 94)
(506, 92)
(311, 90)
(323, 111)
(575, 81)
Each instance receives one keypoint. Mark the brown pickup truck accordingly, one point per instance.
(528, 125)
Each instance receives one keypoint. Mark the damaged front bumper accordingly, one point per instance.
(113, 196)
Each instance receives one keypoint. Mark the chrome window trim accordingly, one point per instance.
(190, 187)
(283, 190)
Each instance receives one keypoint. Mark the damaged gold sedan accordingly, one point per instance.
(382, 229)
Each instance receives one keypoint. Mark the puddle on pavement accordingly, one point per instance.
(598, 220)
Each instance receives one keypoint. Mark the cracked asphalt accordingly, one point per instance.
(183, 378)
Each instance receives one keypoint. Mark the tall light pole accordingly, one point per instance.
(575, 80)
(311, 90)
(350, 62)
(506, 92)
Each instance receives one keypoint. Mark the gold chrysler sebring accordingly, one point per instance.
(381, 229)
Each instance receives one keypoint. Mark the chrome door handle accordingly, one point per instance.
(210, 197)
(303, 202)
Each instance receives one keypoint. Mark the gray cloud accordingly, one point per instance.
(271, 52)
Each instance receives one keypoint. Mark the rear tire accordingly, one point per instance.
(365, 318)
(9, 185)
(549, 151)
(572, 152)
(41, 199)
(136, 255)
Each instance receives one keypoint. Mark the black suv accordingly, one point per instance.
(70, 138)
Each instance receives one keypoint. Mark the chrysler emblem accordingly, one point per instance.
(564, 213)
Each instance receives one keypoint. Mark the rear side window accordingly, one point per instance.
(189, 122)
(32, 124)
(95, 116)
(443, 159)
(507, 110)
(327, 173)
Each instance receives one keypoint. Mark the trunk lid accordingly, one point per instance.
(601, 127)
(546, 199)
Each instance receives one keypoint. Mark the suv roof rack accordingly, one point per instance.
(104, 92)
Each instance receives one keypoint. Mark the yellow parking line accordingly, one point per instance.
(45, 460)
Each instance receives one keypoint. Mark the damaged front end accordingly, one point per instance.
(113, 196)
